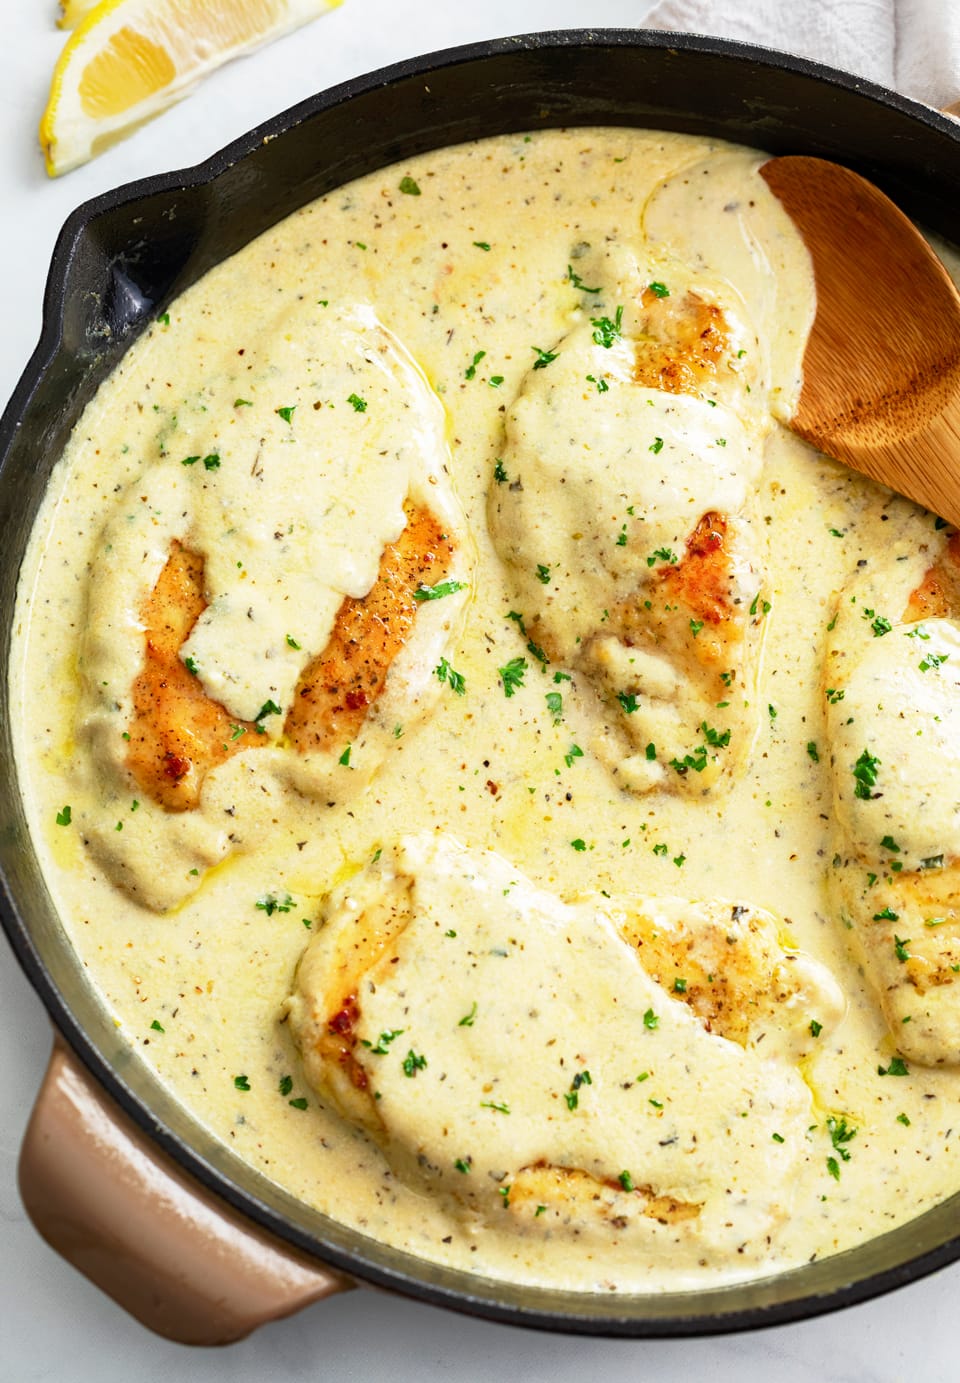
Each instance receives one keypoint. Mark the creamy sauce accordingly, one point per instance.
(472, 276)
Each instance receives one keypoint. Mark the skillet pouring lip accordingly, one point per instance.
(549, 61)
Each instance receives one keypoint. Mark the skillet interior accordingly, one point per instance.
(122, 257)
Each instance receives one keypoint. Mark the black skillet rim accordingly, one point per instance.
(470, 1296)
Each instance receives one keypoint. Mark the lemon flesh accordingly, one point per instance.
(127, 60)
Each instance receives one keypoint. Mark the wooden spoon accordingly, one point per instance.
(881, 372)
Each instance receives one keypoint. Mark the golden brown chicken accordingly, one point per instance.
(624, 514)
(892, 682)
(515, 1051)
(179, 733)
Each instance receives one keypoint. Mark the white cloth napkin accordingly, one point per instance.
(910, 45)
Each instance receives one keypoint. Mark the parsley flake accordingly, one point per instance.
(605, 331)
(511, 675)
(455, 680)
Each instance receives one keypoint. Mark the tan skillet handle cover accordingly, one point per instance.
(172, 1254)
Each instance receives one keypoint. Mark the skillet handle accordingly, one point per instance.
(169, 1252)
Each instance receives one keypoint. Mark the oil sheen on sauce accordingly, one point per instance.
(454, 292)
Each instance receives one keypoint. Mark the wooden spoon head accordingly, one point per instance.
(882, 362)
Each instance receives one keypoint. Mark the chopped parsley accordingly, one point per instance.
(605, 331)
(192, 666)
(358, 404)
(900, 945)
(572, 1096)
(662, 554)
(501, 1108)
(511, 675)
(64, 817)
(157, 1027)
(285, 413)
(602, 385)
(834, 696)
(269, 708)
(462, 1164)
(164, 319)
(815, 1028)
(651, 752)
(285, 1085)
(455, 680)
(897, 1067)
(299, 1103)
(292, 643)
(189, 460)
(697, 761)
(841, 1133)
(543, 574)
(408, 186)
(903, 1119)
(554, 702)
(344, 759)
(574, 752)
(482, 244)
(879, 624)
(813, 751)
(933, 660)
(272, 902)
(660, 848)
(413, 1062)
(626, 1181)
(437, 592)
(628, 701)
(544, 358)
(383, 1042)
(579, 844)
(241, 1083)
(714, 737)
(679, 986)
(467, 1020)
(656, 446)
(659, 290)
(578, 282)
(650, 1020)
(211, 462)
(695, 626)
(499, 473)
(471, 369)
(865, 774)
(495, 381)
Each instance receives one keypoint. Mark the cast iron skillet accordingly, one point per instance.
(121, 257)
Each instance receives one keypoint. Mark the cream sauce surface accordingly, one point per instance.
(472, 275)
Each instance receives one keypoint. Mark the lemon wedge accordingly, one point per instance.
(127, 60)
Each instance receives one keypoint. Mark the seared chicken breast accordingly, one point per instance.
(623, 508)
(614, 1066)
(892, 693)
(271, 601)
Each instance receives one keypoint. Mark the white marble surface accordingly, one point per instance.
(55, 1327)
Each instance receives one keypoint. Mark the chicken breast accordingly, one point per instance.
(178, 733)
(892, 692)
(271, 601)
(611, 1067)
(624, 512)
